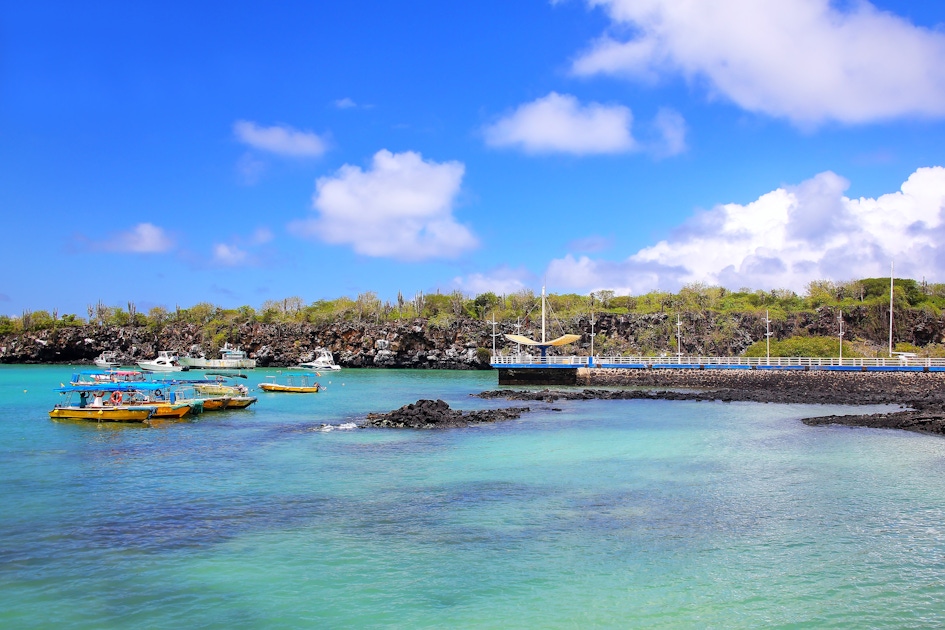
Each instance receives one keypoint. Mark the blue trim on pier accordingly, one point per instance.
(709, 366)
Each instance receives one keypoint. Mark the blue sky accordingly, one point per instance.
(173, 153)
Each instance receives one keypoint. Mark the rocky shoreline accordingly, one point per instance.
(922, 393)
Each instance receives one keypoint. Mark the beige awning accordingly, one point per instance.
(560, 341)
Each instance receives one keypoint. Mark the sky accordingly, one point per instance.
(170, 153)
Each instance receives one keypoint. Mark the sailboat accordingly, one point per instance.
(544, 344)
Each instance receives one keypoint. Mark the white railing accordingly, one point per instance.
(607, 361)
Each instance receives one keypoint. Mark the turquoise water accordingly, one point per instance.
(602, 513)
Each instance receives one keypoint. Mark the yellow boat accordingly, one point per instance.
(293, 384)
(240, 402)
(101, 402)
(103, 414)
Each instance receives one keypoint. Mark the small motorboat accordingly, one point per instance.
(323, 362)
(108, 359)
(292, 384)
(101, 402)
(164, 362)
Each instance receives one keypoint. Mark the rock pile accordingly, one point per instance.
(436, 414)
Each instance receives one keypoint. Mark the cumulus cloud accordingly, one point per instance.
(228, 255)
(401, 207)
(242, 250)
(345, 103)
(558, 123)
(501, 281)
(808, 61)
(784, 239)
(280, 139)
(144, 238)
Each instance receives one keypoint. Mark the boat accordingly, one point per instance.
(216, 385)
(101, 402)
(322, 362)
(107, 376)
(164, 362)
(108, 359)
(231, 358)
(304, 383)
(165, 401)
(213, 394)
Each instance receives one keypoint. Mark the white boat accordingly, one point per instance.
(322, 362)
(231, 358)
(164, 362)
(108, 359)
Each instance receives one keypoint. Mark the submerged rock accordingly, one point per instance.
(436, 414)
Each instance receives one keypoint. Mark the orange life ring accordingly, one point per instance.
(116, 398)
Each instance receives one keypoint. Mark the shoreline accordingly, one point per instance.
(921, 393)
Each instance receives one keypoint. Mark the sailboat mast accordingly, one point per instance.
(891, 276)
(543, 313)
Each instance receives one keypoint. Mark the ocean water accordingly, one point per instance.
(655, 514)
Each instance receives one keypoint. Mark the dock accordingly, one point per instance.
(527, 369)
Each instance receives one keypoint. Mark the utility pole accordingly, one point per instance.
(840, 319)
(891, 276)
(494, 335)
(678, 339)
(767, 337)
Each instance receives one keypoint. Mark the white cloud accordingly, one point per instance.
(501, 281)
(402, 207)
(144, 238)
(805, 60)
(558, 123)
(784, 239)
(229, 255)
(671, 130)
(345, 103)
(280, 139)
(261, 236)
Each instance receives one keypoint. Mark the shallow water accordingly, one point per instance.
(600, 513)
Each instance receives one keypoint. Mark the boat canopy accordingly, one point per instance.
(111, 387)
(560, 341)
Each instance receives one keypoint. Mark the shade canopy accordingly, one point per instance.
(560, 341)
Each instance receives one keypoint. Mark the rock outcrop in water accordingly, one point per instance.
(436, 414)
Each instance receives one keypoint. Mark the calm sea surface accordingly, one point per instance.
(600, 513)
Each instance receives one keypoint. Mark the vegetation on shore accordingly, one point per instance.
(866, 300)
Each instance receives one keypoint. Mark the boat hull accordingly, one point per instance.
(240, 402)
(115, 414)
(196, 363)
(289, 389)
(178, 410)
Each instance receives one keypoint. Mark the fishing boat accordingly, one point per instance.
(304, 383)
(322, 362)
(164, 362)
(231, 358)
(108, 359)
(101, 402)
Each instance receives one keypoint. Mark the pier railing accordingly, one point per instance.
(698, 361)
